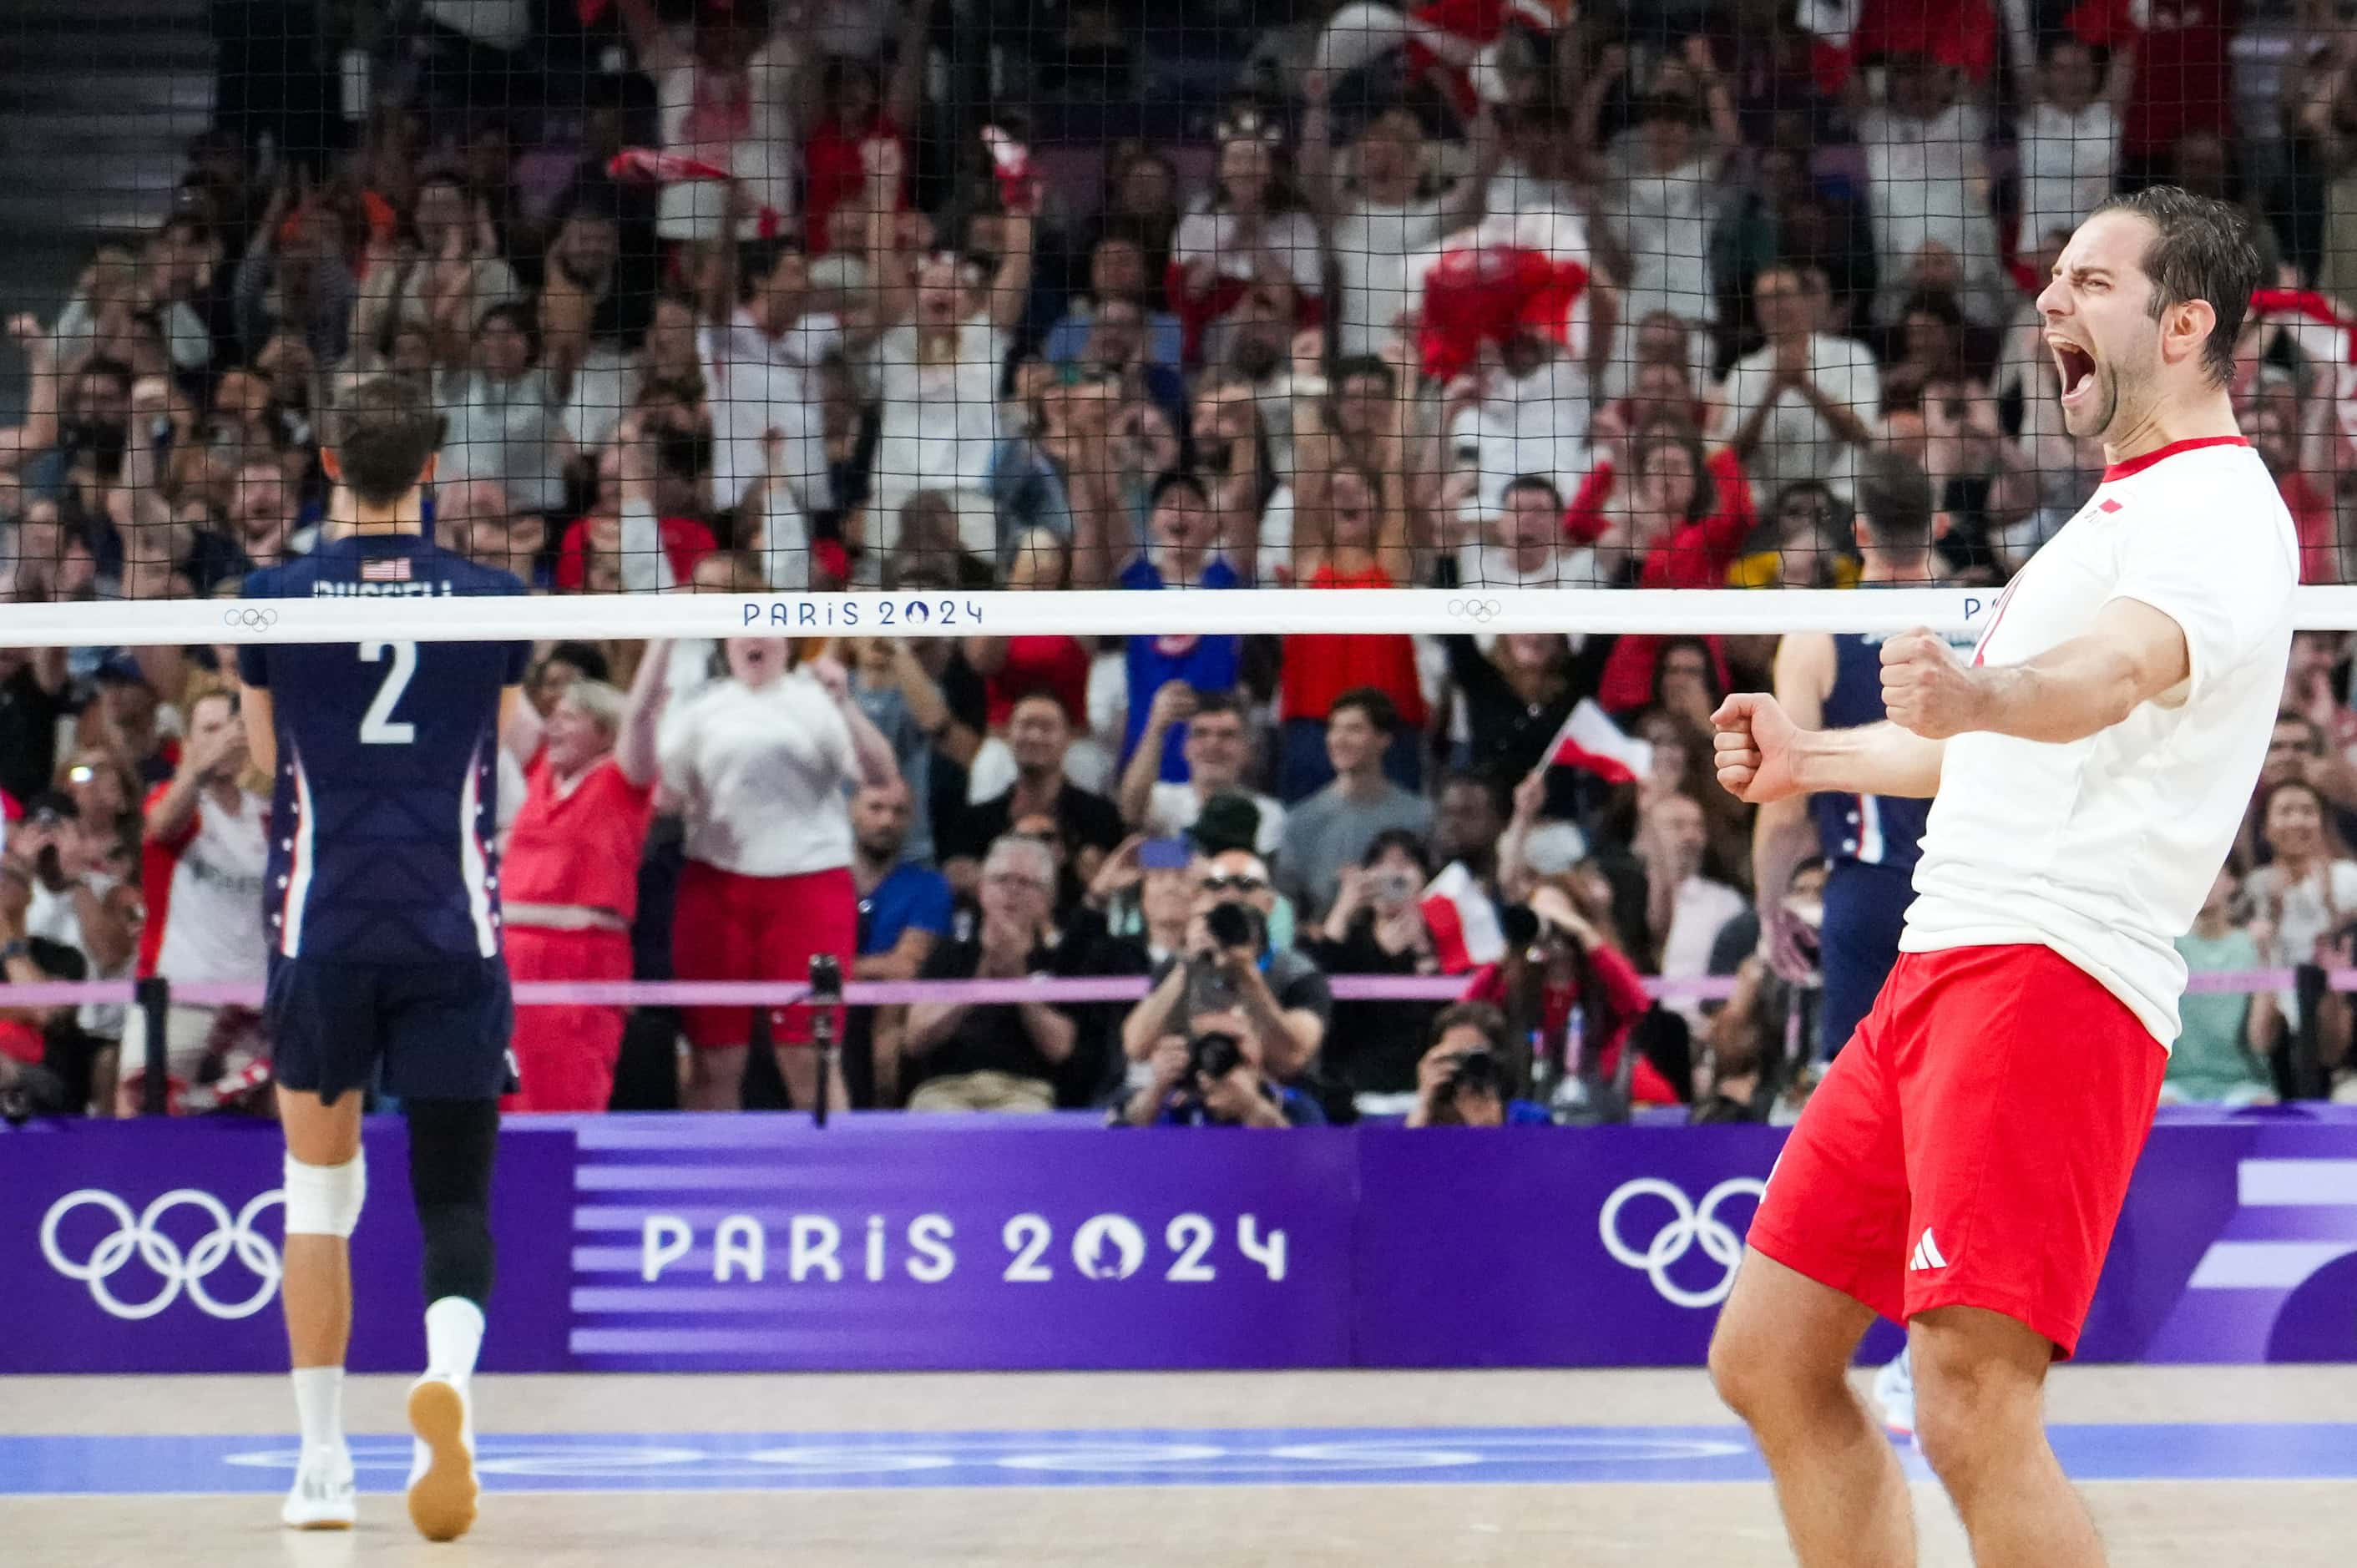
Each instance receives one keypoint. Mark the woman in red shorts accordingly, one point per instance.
(569, 876)
(760, 760)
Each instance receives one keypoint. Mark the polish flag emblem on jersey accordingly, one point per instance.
(386, 569)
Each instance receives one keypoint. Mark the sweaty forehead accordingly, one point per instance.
(2114, 242)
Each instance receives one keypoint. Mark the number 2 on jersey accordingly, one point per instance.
(377, 726)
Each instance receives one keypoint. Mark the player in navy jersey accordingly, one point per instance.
(385, 964)
(1870, 843)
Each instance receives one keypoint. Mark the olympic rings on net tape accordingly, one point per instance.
(248, 618)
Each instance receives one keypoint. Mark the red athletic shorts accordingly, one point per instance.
(1972, 1145)
(565, 1054)
(727, 927)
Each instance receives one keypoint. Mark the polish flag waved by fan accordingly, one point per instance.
(651, 166)
(1512, 273)
(1460, 38)
(1592, 743)
(1462, 921)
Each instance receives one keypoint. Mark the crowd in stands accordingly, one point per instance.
(1556, 296)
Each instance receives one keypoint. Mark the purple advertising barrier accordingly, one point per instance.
(1615, 1246)
(154, 1247)
(721, 1243)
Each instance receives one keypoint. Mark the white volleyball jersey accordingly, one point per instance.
(2102, 849)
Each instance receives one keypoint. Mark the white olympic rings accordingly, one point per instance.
(1482, 610)
(250, 618)
(179, 1271)
(1689, 1224)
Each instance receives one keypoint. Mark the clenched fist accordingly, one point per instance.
(1926, 688)
(1754, 740)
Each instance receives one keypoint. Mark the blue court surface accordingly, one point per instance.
(757, 1461)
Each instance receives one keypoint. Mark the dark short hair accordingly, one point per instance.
(2201, 249)
(1042, 694)
(583, 656)
(1408, 841)
(386, 431)
(1377, 708)
(1180, 479)
(1894, 496)
(1350, 367)
(1467, 778)
(1540, 482)
(1475, 1015)
(1207, 704)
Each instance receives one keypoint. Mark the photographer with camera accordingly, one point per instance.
(1471, 1077)
(1230, 980)
(1211, 1081)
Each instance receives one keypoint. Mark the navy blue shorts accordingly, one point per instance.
(439, 1031)
(1866, 905)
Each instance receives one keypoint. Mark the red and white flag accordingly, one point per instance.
(1463, 922)
(1591, 742)
(650, 165)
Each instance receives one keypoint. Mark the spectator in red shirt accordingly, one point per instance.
(2184, 77)
(852, 114)
(1687, 517)
(570, 875)
(2276, 437)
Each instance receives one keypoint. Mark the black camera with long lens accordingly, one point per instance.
(1232, 926)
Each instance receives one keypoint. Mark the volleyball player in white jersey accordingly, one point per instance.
(1962, 1166)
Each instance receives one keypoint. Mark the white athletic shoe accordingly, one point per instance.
(321, 1498)
(442, 1489)
(1894, 1390)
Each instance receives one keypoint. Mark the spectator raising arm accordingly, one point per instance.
(651, 41)
(871, 752)
(39, 433)
(1174, 704)
(636, 749)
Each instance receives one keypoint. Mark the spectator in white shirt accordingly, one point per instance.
(762, 760)
(502, 419)
(1528, 413)
(1384, 220)
(1665, 181)
(728, 92)
(1928, 181)
(1798, 408)
(937, 374)
(1684, 909)
(1521, 545)
(760, 361)
(1218, 747)
(1254, 231)
(2068, 143)
(206, 851)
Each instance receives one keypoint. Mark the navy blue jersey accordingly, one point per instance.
(383, 809)
(1874, 830)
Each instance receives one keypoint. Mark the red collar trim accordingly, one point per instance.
(2139, 464)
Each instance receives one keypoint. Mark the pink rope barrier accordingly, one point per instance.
(1001, 993)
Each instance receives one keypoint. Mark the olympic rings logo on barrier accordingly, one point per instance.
(1689, 1224)
(1482, 610)
(249, 619)
(179, 1271)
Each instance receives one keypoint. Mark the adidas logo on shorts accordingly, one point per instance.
(1927, 1256)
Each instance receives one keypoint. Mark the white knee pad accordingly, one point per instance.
(325, 1200)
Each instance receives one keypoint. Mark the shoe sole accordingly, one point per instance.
(316, 1523)
(441, 1500)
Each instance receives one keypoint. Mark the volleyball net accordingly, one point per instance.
(1449, 303)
